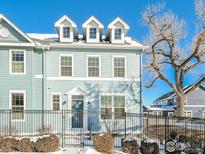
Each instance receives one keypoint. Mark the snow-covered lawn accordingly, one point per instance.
(85, 150)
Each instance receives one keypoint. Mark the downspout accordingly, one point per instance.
(43, 48)
(141, 114)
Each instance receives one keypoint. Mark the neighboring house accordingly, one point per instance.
(69, 71)
(166, 104)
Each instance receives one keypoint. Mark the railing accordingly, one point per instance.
(187, 132)
(78, 128)
(73, 128)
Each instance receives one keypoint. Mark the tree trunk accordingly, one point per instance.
(181, 100)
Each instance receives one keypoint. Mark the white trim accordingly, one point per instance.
(194, 105)
(10, 102)
(16, 28)
(51, 97)
(92, 18)
(94, 46)
(10, 62)
(39, 76)
(98, 56)
(59, 68)
(65, 17)
(17, 44)
(203, 114)
(188, 111)
(91, 79)
(119, 56)
(118, 19)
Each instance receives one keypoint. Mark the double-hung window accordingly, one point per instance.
(119, 107)
(119, 66)
(66, 66)
(56, 98)
(17, 105)
(66, 32)
(106, 107)
(17, 62)
(93, 33)
(118, 34)
(112, 107)
(93, 66)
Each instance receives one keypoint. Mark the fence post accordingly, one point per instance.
(125, 124)
(10, 112)
(147, 124)
(165, 135)
(62, 128)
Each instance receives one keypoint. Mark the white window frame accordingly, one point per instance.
(113, 106)
(10, 61)
(95, 33)
(69, 32)
(186, 113)
(66, 55)
(60, 101)
(120, 34)
(97, 56)
(10, 102)
(203, 115)
(119, 56)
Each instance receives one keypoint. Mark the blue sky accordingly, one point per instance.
(39, 16)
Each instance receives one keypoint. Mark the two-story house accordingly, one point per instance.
(92, 71)
(166, 104)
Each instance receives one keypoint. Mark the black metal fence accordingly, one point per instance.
(78, 128)
(185, 133)
(72, 128)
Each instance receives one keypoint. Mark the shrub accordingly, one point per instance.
(8, 144)
(45, 129)
(149, 148)
(47, 144)
(129, 146)
(104, 143)
(25, 145)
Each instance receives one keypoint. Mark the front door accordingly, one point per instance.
(77, 111)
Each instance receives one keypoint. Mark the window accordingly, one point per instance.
(56, 102)
(118, 33)
(93, 32)
(66, 65)
(17, 105)
(119, 67)
(203, 115)
(17, 62)
(119, 107)
(66, 32)
(106, 107)
(93, 67)
(112, 104)
(188, 114)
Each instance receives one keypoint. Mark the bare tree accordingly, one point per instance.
(167, 53)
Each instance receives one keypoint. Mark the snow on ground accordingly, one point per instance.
(85, 150)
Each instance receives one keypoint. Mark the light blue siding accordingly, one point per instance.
(14, 35)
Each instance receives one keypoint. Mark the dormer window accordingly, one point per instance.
(117, 31)
(118, 34)
(66, 32)
(93, 33)
(67, 29)
(92, 30)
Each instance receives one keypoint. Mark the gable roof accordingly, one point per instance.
(65, 17)
(92, 18)
(16, 28)
(118, 19)
(172, 94)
